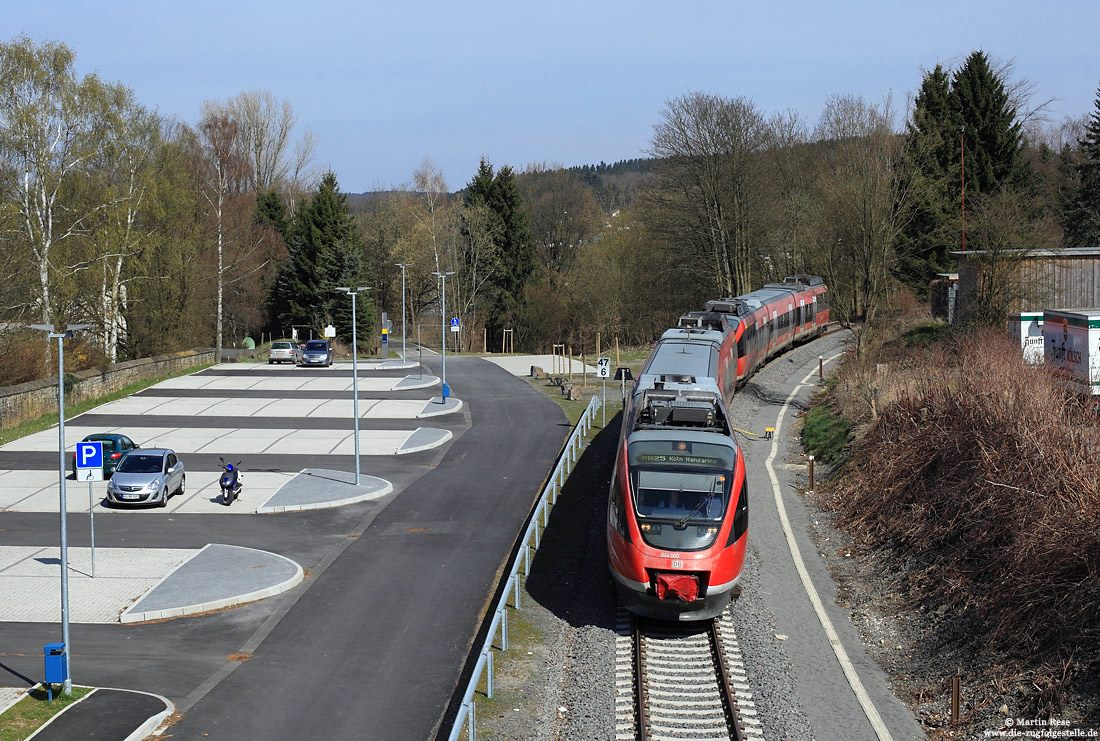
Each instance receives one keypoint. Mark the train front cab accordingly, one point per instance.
(678, 520)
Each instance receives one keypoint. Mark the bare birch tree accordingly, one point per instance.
(125, 166)
(864, 200)
(266, 126)
(475, 260)
(430, 208)
(50, 125)
(709, 166)
(222, 168)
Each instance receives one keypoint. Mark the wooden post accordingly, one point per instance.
(485, 340)
(584, 369)
(570, 349)
(618, 362)
(597, 344)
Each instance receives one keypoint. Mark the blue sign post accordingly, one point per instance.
(89, 461)
(89, 467)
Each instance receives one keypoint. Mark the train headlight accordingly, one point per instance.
(653, 528)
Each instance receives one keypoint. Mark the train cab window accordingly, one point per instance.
(616, 508)
(745, 343)
(679, 494)
(681, 510)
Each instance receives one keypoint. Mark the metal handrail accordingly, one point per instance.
(564, 467)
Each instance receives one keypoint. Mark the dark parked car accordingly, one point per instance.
(317, 352)
(147, 476)
(115, 448)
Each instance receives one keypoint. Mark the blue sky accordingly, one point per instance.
(385, 85)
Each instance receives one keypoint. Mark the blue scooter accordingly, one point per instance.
(230, 481)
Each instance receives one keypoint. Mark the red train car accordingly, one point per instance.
(678, 505)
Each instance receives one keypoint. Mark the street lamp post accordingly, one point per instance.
(443, 327)
(402, 266)
(962, 178)
(354, 369)
(61, 336)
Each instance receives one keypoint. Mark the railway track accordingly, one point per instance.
(681, 681)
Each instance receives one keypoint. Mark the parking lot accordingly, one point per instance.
(267, 417)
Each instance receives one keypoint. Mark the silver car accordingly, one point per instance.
(282, 351)
(147, 476)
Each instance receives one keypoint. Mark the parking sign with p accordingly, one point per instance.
(89, 461)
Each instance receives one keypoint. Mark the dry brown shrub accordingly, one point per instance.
(30, 355)
(984, 473)
(25, 358)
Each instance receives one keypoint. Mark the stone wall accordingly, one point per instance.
(31, 400)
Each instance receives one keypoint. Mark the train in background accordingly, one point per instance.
(677, 520)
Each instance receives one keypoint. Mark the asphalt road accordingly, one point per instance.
(371, 645)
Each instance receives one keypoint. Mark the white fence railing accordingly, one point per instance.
(467, 711)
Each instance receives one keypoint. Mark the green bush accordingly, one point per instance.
(825, 434)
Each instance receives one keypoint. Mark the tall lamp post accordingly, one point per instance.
(354, 369)
(443, 327)
(60, 337)
(402, 266)
(962, 178)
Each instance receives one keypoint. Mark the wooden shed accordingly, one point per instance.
(1039, 279)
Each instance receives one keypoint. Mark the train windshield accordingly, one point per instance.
(680, 495)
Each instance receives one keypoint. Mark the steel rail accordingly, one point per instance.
(640, 695)
(728, 696)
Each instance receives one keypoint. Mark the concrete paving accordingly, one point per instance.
(520, 365)
(228, 406)
(37, 491)
(134, 584)
(289, 384)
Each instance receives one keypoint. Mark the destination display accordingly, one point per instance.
(657, 453)
(679, 459)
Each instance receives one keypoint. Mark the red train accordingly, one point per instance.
(678, 507)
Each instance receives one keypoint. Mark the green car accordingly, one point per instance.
(115, 448)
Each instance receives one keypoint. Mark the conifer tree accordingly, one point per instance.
(994, 141)
(325, 252)
(1082, 215)
(931, 153)
(513, 242)
(975, 110)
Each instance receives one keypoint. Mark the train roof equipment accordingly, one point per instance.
(667, 409)
(714, 321)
